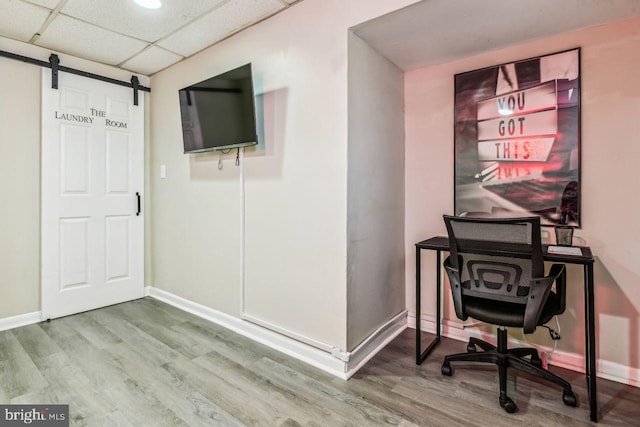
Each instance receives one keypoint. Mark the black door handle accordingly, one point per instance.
(138, 196)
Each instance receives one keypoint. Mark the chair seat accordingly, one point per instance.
(506, 314)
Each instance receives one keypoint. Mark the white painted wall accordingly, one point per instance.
(375, 192)
(296, 183)
(20, 89)
(610, 155)
(19, 192)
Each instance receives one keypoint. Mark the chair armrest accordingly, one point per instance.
(559, 274)
(538, 294)
(456, 288)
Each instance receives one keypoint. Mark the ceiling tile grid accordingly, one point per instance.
(122, 34)
(50, 4)
(218, 24)
(78, 38)
(20, 20)
(126, 17)
(151, 60)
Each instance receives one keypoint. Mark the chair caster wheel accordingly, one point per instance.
(508, 405)
(569, 398)
(446, 369)
(471, 348)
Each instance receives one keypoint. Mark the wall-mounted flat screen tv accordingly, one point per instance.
(219, 113)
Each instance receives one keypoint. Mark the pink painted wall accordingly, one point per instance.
(610, 199)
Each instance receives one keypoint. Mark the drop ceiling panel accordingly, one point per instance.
(20, 20)
(151, 60)
(51, 4)
(87, 41)
(218, 24)
(121, 33)
(126, 17)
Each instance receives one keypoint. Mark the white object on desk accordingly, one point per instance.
(564, 250)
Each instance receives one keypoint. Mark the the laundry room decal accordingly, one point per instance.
(89, 118)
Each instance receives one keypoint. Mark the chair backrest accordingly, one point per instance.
(495, 258)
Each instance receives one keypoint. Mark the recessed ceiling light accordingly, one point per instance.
(149, 4)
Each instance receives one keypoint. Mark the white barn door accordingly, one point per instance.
(92, 235)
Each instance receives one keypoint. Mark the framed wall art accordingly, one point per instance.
(517, 139)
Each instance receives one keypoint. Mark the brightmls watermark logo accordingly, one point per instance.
(34, 415)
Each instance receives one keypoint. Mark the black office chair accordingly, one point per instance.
(496, 271)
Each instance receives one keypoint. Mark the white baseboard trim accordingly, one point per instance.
(330, 359)
(313, 356)
(355, 359)
(562, 359)
(20, 320)
(618, 373)
(376, 342)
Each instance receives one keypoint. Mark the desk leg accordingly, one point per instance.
(421, 355)
(590, 340)
(438, 296)
(418, 361)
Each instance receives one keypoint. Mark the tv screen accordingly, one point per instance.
(219, 113)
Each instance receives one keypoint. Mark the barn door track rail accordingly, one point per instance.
(54, 64)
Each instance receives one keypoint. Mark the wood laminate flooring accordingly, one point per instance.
(145, 363)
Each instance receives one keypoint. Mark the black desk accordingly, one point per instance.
(441, 243)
